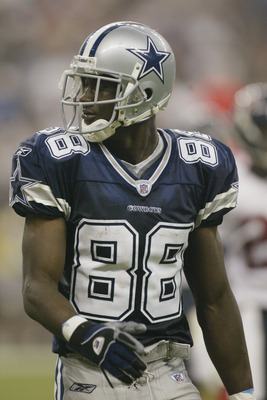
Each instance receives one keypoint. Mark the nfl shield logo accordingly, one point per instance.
(177, 377)
(143, 187)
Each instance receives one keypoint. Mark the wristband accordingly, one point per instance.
(244, 395)
(70, 325)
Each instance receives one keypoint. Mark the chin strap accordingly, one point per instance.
(100, 134)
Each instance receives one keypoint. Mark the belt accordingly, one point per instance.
(166, 350)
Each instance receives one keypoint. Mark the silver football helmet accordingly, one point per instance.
(250, 123)
(140, 63)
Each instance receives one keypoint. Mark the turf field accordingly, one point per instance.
(26, 373)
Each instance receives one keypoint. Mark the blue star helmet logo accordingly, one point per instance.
(152, 58)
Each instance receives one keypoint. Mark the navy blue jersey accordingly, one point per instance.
(126, 236)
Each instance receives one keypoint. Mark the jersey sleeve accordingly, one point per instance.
(38, 184)
(221, 184)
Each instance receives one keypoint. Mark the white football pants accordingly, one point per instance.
(165, 379)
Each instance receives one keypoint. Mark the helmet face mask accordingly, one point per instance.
(137, 60)
(250, 124)
(73, 88)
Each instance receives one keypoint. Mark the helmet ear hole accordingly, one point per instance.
(149, 93)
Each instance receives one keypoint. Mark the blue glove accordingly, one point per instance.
(111, 346)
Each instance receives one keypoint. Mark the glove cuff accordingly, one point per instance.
(246, 395)
(70, 325)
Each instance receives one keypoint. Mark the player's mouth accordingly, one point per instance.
(88, 116)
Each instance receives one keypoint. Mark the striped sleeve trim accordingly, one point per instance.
(42, 194)
(221, 201)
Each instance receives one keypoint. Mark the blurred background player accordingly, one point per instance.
(245, 232)
(244, 235)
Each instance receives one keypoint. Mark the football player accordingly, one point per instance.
(244, 234)
(245, 231)
(114, 210)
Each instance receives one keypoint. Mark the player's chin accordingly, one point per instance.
(89, 119)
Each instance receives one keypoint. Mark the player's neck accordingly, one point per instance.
(134, 143)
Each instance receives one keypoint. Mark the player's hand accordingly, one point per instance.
(111, 346)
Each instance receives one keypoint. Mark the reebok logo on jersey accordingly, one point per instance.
(98, 344)
(23, 151)
(235, 185)
(82, 388)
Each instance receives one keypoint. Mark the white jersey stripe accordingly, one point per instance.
(222, 200)
(42, 194)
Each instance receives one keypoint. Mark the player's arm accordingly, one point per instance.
(217, 310)
(44, 249)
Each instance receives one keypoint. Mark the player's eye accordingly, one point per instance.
(89, 83)
(107, 85)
